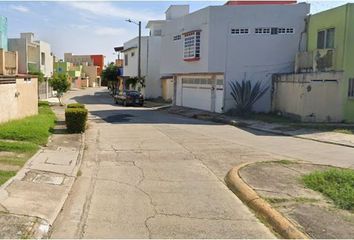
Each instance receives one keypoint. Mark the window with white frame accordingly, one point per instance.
(262, 31)
(177, 37)
(239, 31)
(191, 46)
(285, 30)
(351, 88)
(325, 38)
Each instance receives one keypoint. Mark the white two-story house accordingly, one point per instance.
(205, 50)
(150, 59)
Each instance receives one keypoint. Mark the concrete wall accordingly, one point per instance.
(340, 18)
(77, 59)
(18, 99)
(131, 69)
(252, 56)
(47, 67)
(172, 51)
(91, 73)
(167, 87)
(20, 45)
(311, 97)
(8, 63)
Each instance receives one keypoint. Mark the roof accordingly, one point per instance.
(151, 22)
(130, 48)
(119, 49)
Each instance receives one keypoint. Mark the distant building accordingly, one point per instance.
(33, 56)
(92, 66)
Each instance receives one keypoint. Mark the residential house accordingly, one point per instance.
(92, 66)
(321, 87)
(205, 50)
(18, 92)
(33, 55)
(150, 59)
(3, 33)
(74, 73)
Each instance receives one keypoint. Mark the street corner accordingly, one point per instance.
(285, 187)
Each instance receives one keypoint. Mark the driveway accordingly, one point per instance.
(149, 174)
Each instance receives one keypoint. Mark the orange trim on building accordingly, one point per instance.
(98, 60)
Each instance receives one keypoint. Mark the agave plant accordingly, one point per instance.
(246, 95)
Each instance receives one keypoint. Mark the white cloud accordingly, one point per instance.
(19, 8)
(108, 9)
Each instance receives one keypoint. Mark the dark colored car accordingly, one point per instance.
(129, 97)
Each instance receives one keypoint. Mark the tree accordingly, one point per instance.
(39, 75)
(109, 74)
(60, 84)
(246, 95)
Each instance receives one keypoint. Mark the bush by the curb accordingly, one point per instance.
(75, 105)
(75, 119)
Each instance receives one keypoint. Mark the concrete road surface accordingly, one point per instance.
(149, 174)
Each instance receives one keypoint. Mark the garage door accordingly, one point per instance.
(202, 93)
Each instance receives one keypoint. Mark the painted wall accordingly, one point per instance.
(341, 18)
(18, 99)
(46, 52)
(252, 56)
(8, 62)
(313, 97)
(98, 60)
(150, 63)
(3, 33)
(19, 45)
(91, 73)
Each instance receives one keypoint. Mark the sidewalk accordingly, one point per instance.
(30, 201)
(342, 139)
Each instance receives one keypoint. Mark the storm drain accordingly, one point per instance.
(44, 177)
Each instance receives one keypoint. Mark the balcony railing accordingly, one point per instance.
(319, 60)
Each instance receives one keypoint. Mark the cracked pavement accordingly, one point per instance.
(149, 174)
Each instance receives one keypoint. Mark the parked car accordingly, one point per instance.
(129, 97)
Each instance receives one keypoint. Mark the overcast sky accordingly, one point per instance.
(95, 27)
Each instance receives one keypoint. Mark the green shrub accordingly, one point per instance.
(75, 105)
(75, 119)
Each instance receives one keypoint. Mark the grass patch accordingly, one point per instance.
(14, 161)
(337, 184)
(35, 129)
(6, 175)
(18, 147)
(285, 162)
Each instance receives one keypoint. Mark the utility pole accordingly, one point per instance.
(139, 47)
(139, 53)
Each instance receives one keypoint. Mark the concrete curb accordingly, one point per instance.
(247, 125)
(277, 221)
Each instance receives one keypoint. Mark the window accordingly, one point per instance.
(325, 38)
(191, 46)
(157, 32)
(132, 54)
(177, 37)
(42, 58)
(351, 88)
(239, 31)
(262, 31)
(126, 59)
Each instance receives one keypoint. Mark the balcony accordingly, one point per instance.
(319, 60)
